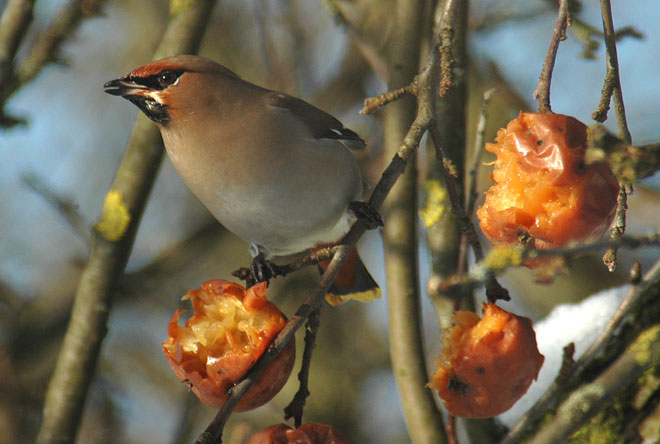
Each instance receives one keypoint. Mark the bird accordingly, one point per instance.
(273, 169)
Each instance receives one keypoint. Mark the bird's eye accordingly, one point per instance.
(167, 78)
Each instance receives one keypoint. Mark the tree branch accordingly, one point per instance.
(136, 174)
(502, 258)
(295, 408)
(586, 401)
(15, 20)
(542, 93)
(63, 205)
(612, 91)
(636, 302)
(45, 48)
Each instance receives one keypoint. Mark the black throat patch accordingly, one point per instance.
(154, 110)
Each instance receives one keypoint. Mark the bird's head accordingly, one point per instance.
(164, 85)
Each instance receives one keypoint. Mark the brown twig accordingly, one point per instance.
(45, 47)
(618, 228)
(478, 150)
(612, 91)
(447, 61)
(63, 205)
(371, 104)
(313, 258)
(295, 408)
(515, 257)
(542, 92)
(136, 174)
(567, 363)
(612, 85)
(14, 22)
(452, 435)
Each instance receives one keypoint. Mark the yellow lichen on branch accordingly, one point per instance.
(115, 217)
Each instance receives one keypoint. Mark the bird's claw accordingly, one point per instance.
(367, 214)
(262, 269)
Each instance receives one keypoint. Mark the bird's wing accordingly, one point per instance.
(321, 124)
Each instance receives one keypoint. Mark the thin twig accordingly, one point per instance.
(14, 22)
(47, 44)
(447, 61)
(295, 408)
(63, 205)
(514, 257)
(618, 228)
(452, 434)
(45, 48)
(371, 104)
(494, 290)
(612, 85)
(310, 259)
(612, 91)
(542, 93)
(472, 193)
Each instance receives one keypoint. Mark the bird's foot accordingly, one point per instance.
(262, 270)
(367, 214)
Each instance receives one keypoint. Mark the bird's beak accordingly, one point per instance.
(124, 87)
(141, 96)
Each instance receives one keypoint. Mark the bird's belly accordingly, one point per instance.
(281, 225)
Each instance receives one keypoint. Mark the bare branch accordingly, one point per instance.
(612, 91)
(636, 300)
(587, 400)
(501, 259)
(15, 20)
(542, 93)
(64, 206)
(295, 408)
(476, 155)
(136, 174)
(45, 48)
(371, 104)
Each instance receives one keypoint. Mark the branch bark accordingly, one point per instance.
(76, 362)
(612, 91)
(542, 92)
(586, 401)
(400, 239)
(44, 49)
(638, 311)
(15, 20)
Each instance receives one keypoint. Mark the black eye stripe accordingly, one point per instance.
(153, 81)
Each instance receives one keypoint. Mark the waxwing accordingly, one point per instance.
(273, 169)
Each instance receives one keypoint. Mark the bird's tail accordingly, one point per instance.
(352, 282)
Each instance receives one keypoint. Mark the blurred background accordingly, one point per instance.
(72, 139)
